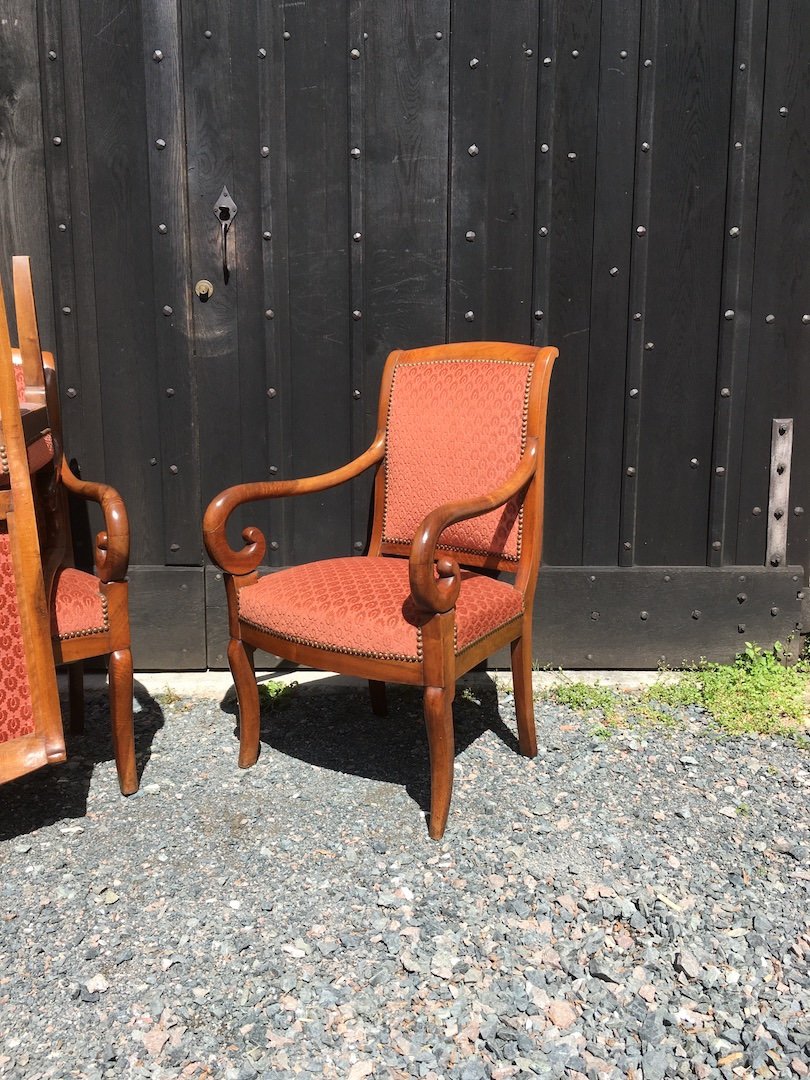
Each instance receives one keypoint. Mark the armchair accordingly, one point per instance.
(89, 614)
(459, 454)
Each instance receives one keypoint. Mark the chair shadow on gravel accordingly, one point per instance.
(58, 792)
(336, 730)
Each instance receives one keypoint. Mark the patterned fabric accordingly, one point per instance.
(79, 606)
(456, 429)
(16, 710)
(363, 606)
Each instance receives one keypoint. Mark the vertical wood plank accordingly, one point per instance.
(778, 384)
(118, 175)
(493, 108)
(174, 396)
(681, 310)
(566, 170)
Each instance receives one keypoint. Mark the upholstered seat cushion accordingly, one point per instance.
(363, 606)
(79, 607)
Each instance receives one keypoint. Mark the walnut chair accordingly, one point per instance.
(89, 613)
(459, 454)
(30, 718)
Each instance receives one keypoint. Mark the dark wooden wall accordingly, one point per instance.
(627, 180)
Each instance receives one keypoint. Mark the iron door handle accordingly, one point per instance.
(225, 210)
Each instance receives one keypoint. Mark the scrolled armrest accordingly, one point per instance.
(215, 521)
(437, 594)
(112, 545)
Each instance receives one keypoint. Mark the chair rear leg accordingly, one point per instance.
(524, 698)
(379, 699)
(438, 708)
(240, 659)
(123, 734)
(76, 696)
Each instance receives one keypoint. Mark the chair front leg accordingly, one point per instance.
(240, 659)
(522, 686)
(123, 734)
(438, 708)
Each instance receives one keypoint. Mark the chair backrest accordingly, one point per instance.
(30, 717)
(457, 419)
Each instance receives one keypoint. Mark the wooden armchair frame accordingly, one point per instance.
(111, 556)
(435, 582)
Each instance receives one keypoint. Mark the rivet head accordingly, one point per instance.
(538, 315)
(168, 310)
(62, 227)
(634, 392)
(66, 310)
(173, 470)
(572, 156)
(157, 56)
(469, 236)
(649, 345)
(783, 111)
(72, 391)
(474, 62)
(806, 319)
(798, 510)
(774, 611)
(269, 314)
(355, 151)
(741, 628)
(273, 469)
(738, 146)
(355, 54)
(728, 315)
(169, 391)
(644, 615)
(153, 461)
(265, 151)
(775, 562)
(544, 148)
(589, 656)
(528, 53)
(162, 229)
(720, 470)
(56, 140)
(742, 67)
(725, 392)
(160, 144)
(575, 53)
(630, 470)
(355, 393)
(357, 314)
(286, 35)
(770, 318)
(696, 613)
(645, 146)
(742, 597)
(274, 545)
(693, 463)
(357, 237)
(472, 150)
(271, 391)
(648, 63)
(546, 60)
(756, 511)
(267, 235)
(262, 53)
(778, 514)
(542, 231)
(595, 615)
(591, 577)
(623, 54)
(627, 545)
(716, 545)
(667, 577)
(206, 33)
(51, 54)
(358, 545)
(438, 35)
(174, 547)
(469, 315)
(613, 271)
(734, 231)
(636, 316)
(641, 231)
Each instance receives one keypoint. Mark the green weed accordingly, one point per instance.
(275, 695)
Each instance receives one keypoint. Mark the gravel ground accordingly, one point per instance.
(632, 906)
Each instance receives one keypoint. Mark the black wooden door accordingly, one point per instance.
(628, 181)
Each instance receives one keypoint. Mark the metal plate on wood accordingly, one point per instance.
(779, 493)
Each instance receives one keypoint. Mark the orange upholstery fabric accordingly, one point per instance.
(363, 606)
(79, 606)
(456, 429)
(16, 712)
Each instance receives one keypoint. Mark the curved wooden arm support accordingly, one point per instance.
(220, 509)
(437, 594)
(112, 545)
